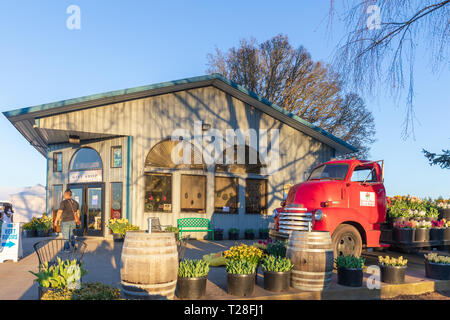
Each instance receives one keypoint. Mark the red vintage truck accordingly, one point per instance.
(345, 197)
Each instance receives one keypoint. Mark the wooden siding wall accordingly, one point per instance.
(150, 120)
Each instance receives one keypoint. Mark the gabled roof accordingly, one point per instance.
(24, 119)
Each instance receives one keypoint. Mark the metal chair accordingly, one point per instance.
(50, 249)
(181, 244)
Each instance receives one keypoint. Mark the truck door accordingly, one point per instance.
(368, 197)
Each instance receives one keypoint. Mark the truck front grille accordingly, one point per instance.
(294, 218)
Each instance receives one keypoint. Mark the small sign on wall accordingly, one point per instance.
(367, 199)
(85, 176)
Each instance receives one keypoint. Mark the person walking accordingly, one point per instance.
(69, 215)
(8, 214)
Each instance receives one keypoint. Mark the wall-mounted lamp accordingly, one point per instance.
(206, 126)
(74, 139)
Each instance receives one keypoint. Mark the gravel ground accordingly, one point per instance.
(438, 295)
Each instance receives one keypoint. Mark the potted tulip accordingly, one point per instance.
(233, 234)
(249, 234)
(447, 231)
(350, 270)
(392, 269)
(119, 228)
(437, 266)
(218, 234)
(422, 231)
(277, 273)
(437, 230)
(240, 277)
(192, 278)
(404, 231)
(263, 233)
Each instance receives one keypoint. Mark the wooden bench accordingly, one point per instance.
(194, 225)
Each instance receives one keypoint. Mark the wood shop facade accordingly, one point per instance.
(115, 152)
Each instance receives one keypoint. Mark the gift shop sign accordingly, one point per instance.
(11, 244)
(85, 176)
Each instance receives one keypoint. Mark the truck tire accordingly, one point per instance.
(346, 241)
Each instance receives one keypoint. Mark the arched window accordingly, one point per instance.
(160, 156)
(86, 159)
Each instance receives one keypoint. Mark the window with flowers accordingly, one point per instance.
(158, 193)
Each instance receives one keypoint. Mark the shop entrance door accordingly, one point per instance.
(91, 200)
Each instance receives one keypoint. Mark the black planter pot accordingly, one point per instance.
(444, 214)
(447, 234)
(437, 271)
(422, 234)
(191, 288)
(350, 277)
(277, 281)
(233, 235)
(241, 285)
(218, 235)
(42, 233)
(29, 233)
(393, 274)
(404, 235)
(118, 237)
(249, 235)
(264, 235)
(437, 234)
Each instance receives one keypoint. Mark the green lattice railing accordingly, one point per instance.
(195, 225)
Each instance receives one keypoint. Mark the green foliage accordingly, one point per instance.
(435, 258)
(193, 268)
(233, 230)
(277, 264)
(277, 248)
(263, 230)
(249, 230)
(88, 291)
(172, 229)
(28, 226)
(411, 207)
(350, 262)
(240, 266)
(121, 226)
(59, 275)
(442, 160)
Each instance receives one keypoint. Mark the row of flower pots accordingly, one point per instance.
(392, 270)
(249, 234)
(241, 277)
(407, 234)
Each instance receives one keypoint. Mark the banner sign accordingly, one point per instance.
(11, 243)
(85, 176)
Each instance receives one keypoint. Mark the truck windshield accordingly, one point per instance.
(330, 172)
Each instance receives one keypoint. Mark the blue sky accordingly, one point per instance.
(124, 44)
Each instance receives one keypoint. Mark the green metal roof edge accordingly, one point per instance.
(214, 76)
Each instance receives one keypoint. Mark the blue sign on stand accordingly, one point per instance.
(11, 244)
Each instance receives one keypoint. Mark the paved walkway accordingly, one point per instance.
(102, 260)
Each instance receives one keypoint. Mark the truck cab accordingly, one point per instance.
(344, 197)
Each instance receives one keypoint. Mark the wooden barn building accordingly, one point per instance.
(115, 152)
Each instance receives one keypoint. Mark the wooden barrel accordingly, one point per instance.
(312, 256)
(149, 265)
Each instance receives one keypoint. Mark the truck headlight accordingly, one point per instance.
(318, 215)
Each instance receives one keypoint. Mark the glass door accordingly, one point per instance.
(94, 212)
(78, 196)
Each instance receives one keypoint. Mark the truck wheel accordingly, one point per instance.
(346, 241)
